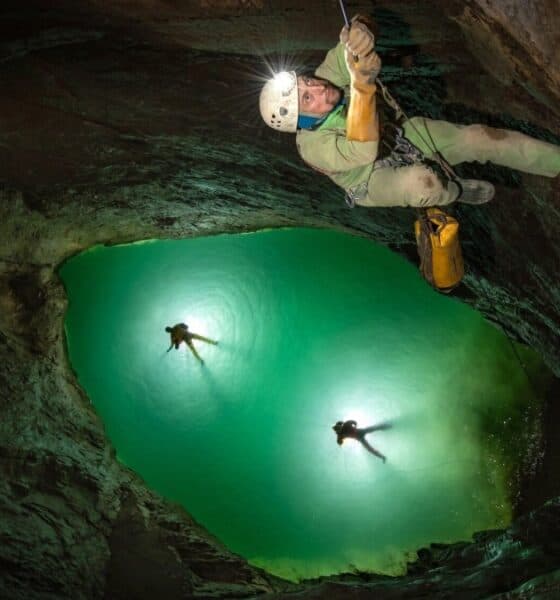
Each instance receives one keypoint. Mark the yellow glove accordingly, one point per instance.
(362, 123)
(364, 64)
(365, 70)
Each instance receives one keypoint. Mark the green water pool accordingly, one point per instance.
(314, 326)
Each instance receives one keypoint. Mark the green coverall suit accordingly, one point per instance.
(351, 165)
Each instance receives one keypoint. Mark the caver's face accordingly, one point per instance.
(317, 97)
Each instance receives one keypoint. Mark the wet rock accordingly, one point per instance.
(124, 121)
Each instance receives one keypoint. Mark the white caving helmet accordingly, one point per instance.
(279, 102)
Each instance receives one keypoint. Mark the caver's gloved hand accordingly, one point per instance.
(364, 71)
(358, 39)
(362, 123)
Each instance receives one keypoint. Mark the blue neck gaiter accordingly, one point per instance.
(307, 122)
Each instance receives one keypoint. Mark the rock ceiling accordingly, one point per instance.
(130, 120)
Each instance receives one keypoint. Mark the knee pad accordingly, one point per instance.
(425, 187)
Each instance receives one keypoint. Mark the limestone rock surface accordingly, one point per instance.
(122, 121)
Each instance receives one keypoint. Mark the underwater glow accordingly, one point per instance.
(313, 327)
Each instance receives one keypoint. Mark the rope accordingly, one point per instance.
(430, 143)
(344, 14)
(447, 169)
(400, 114)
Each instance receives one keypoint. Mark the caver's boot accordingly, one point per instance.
(475, 191)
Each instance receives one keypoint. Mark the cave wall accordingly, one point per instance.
(516, 42)
(117, 124)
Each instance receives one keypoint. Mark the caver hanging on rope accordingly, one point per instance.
(362, 120)
(436, 232)
(315, 109)
(397, 163)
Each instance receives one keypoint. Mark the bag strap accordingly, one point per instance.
(424, 245)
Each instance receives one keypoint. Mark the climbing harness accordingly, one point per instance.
(355, 194)
(436, 232)
(400, 116)
(403, 153)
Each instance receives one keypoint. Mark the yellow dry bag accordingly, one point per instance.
(437, 238)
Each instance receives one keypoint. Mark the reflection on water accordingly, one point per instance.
(313, 327)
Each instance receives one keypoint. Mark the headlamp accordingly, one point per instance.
(284, 82)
